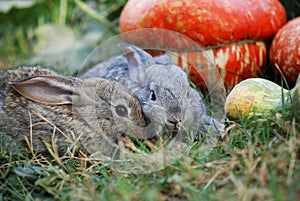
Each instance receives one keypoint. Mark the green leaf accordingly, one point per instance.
(24, 172)
(53, 38)
(58, 47)
(6, 6)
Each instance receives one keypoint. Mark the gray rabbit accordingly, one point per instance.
(163, 89)
(37, 102)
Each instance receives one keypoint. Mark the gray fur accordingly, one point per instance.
(175, 103)
(86, 107)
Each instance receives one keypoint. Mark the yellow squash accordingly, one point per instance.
(262, 97)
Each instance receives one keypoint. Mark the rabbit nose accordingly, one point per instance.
(173, 124)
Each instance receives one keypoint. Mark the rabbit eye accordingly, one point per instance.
(152, 95)
(121, 110)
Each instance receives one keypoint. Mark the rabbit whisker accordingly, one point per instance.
(155, 105)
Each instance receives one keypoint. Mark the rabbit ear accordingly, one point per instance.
(46, 90)
(136, 56)
(138, 61)
(163, 60)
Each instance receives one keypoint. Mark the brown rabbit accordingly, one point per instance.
(36, 102)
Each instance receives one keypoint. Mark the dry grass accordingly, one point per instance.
(256, 159)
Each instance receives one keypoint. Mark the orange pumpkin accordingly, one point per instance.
(285, 50)
(233, 30)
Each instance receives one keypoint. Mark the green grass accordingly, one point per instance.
(256, 159)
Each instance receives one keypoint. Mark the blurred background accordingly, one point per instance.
(57, 33)
(61, 33)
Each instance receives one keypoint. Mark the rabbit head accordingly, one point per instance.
(98, 111)
(169, 84)
(163, 89)
(167, 99)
